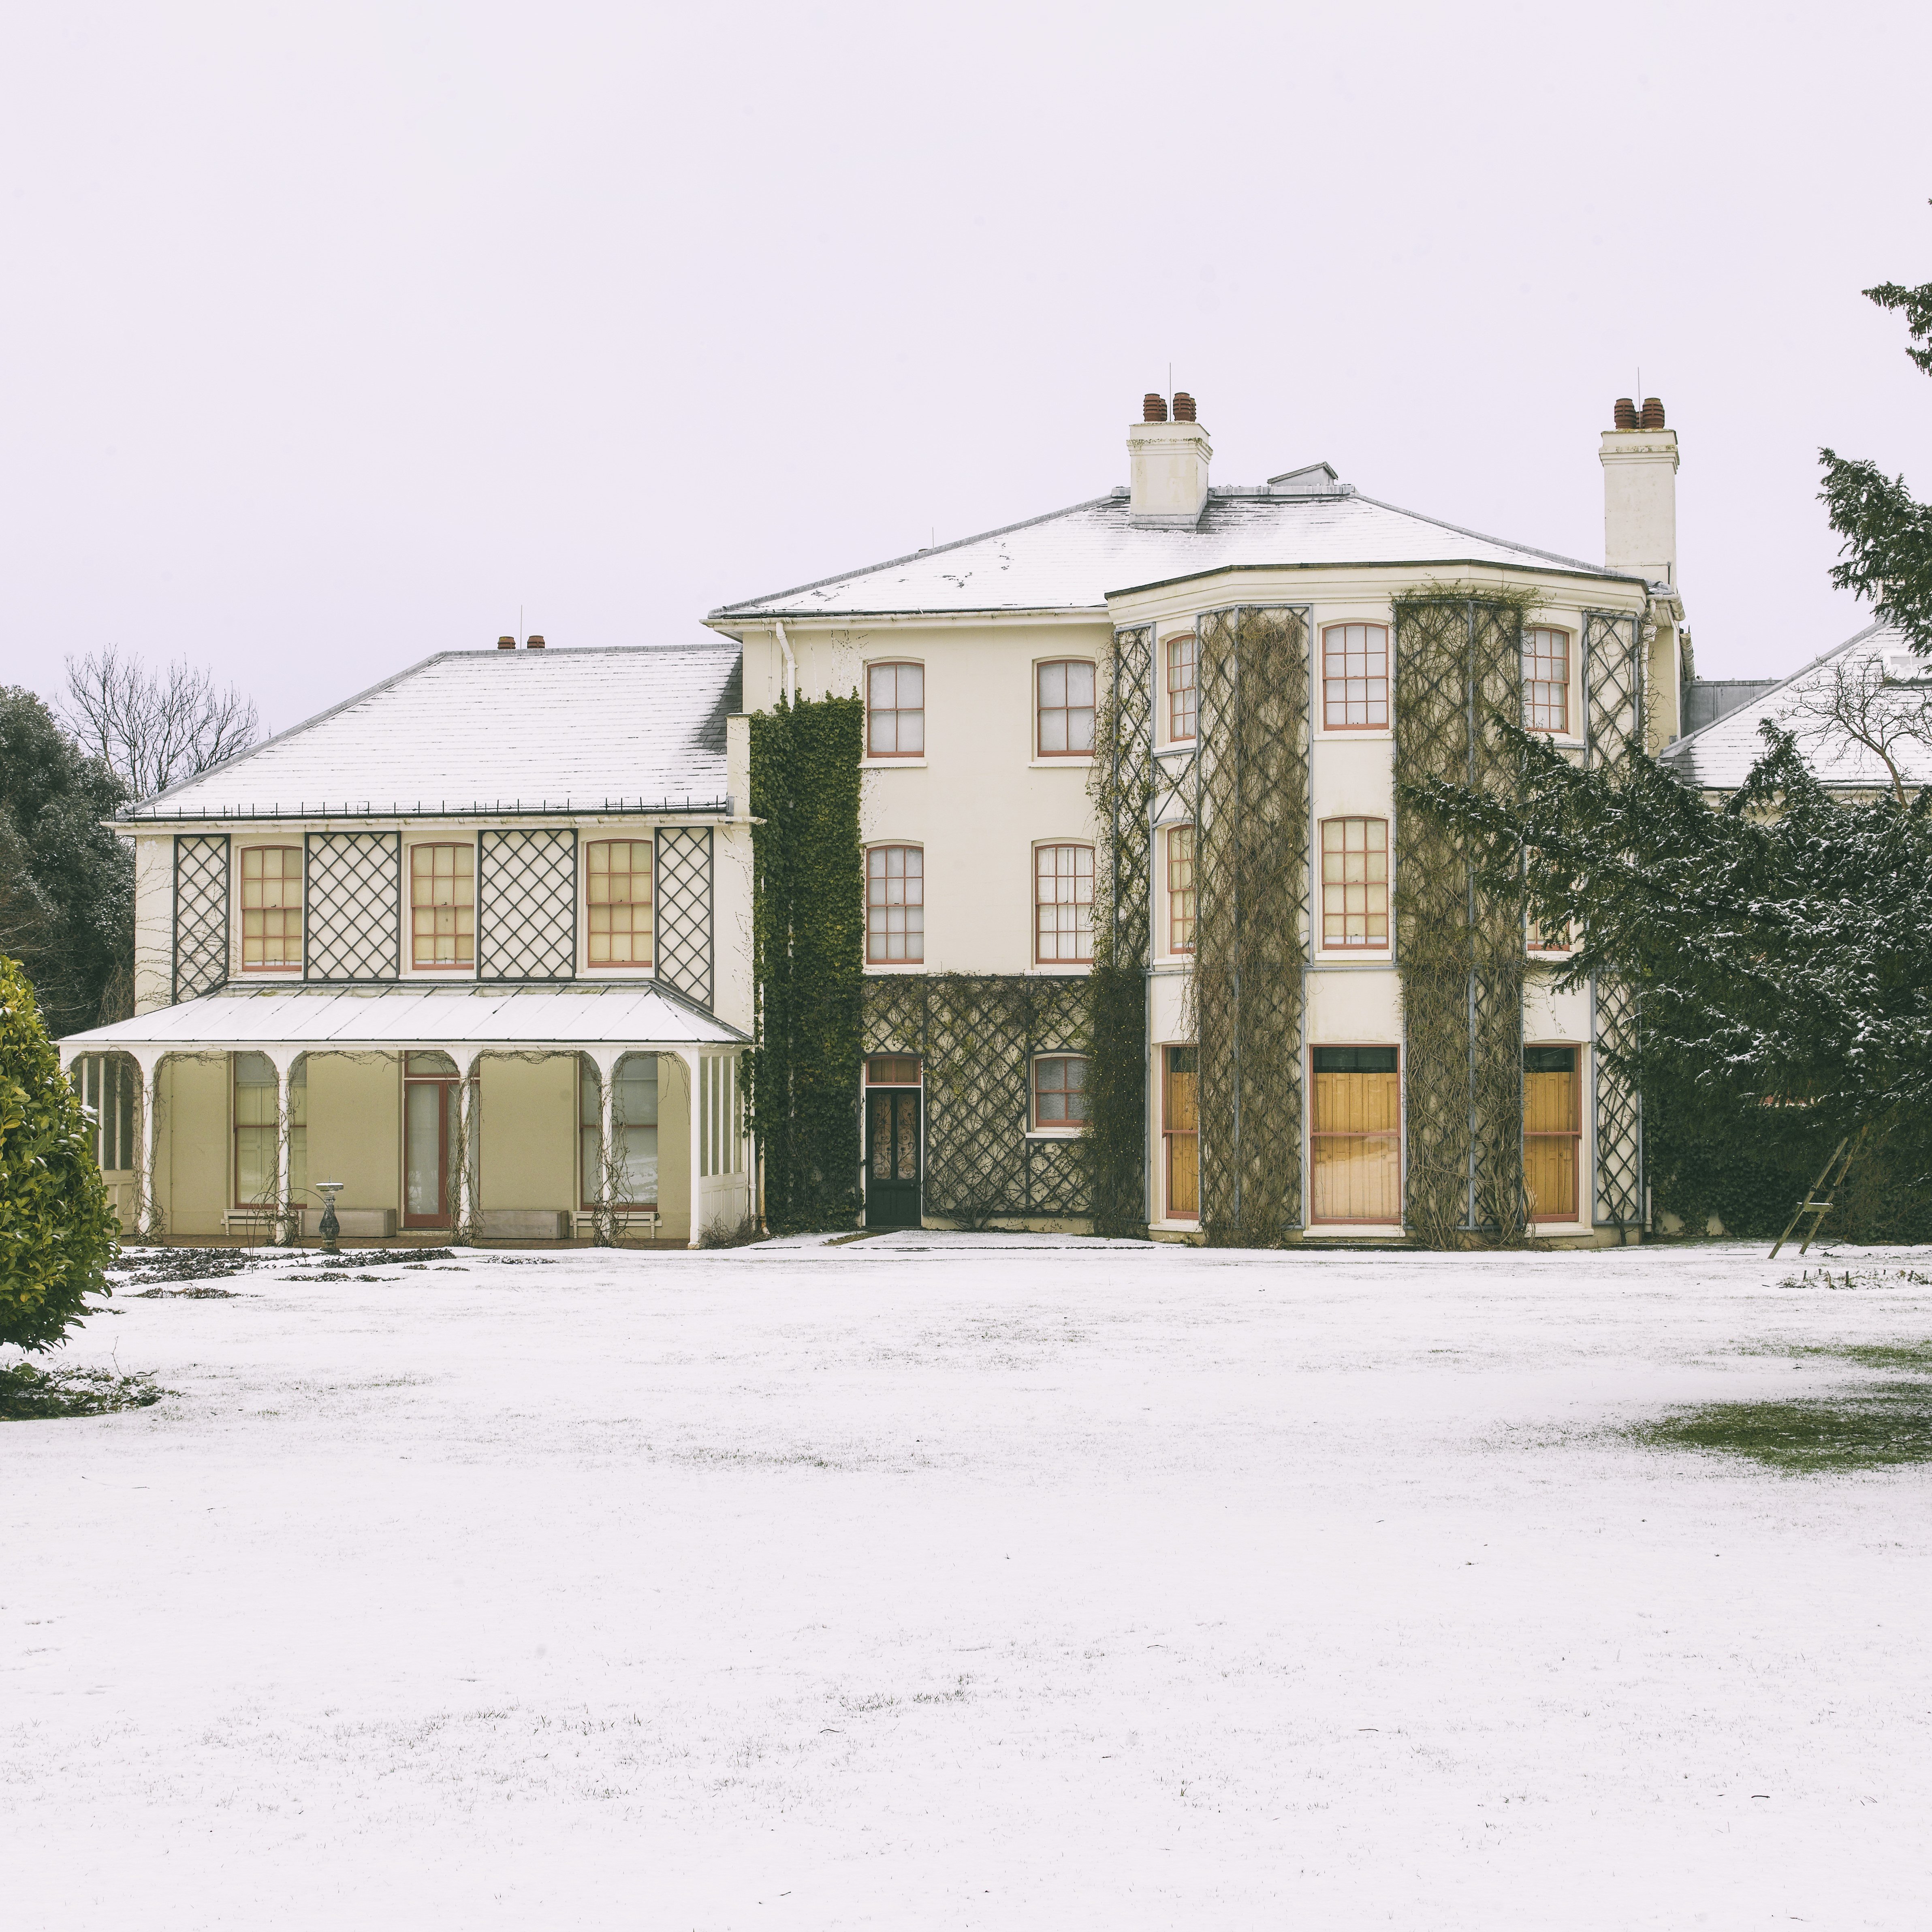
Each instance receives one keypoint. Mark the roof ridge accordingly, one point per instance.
(748, 603)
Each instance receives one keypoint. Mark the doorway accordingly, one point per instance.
(1354, 1138)
(432, 1134)
(892, 1141)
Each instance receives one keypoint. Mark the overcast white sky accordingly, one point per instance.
(335, 335)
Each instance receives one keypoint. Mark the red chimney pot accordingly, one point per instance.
(1154, 407)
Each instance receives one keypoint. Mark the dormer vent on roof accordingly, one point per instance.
(1168, 467)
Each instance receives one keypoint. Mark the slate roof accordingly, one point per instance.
(494, 731)
(1719, 757)
(1075, 558)
(407, 1016)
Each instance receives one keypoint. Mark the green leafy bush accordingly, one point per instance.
(57, 1231)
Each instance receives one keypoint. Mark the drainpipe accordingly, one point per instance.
(790, 663)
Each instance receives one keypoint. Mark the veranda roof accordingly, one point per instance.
(393, 1018)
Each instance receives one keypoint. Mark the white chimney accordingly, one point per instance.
(1168, 464)
(1639, 459)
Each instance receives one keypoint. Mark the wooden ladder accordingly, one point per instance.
(1818, 1202)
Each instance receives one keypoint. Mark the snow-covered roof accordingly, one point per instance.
(1720, 757)
(416, 1016)
(487, 730)
(1074, 559)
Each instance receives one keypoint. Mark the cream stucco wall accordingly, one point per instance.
(674, 1149)
(355, 1127)
(528, 1156)
(192, 1183)
(154, 921)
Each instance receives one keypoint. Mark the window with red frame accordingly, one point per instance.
(272, 907)
(1354, 882)
(1183, 656)
(1063, 903)
(1354, 677)
(895, 711)
(1545, 680)
(442, 906)
(1180, 900)
(1060, 1093)
(894, 905)
(1065, 689)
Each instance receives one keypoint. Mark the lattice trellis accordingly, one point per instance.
(353, 888)
(1251, 872)
(1614, 711)
(201, 913)
(684, 911)
(976, 1037)
(1461, 952)
(526, 905)
(1129, 749)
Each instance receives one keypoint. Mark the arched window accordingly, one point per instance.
(894, 905)
(1063, 903)
(1064, 692)
(1545, 680)
(895, 711)
(1354, 677)
(1354, 882)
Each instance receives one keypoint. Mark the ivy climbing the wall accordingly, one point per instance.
(809, 950)
(1121, 785)
(1459, 665)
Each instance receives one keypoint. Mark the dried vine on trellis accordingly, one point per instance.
(1121, 785)
(808, 949)
(1459, 662)
(1251, 872)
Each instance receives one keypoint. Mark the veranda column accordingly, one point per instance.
(147, 1215)
(604, 1228)
(469, 1161)
(694, 1067)
(288, 1214)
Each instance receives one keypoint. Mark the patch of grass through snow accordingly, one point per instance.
(29, 1394)
(1867, 1425)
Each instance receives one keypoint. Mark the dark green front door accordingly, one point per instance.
(891, 1157)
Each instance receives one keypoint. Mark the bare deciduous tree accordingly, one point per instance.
(153, 726)
(1860, 704)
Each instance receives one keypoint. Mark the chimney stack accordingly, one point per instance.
(1639, 459)
(1168, 465)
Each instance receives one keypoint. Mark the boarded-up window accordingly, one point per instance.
(442, 906)
(272, 907)
(1181, 1131)
(1552, 1131)
(1355, 1135)
(620, 902)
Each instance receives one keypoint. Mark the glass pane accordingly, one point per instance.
(422, 1158)
(881, 1137)
(905, 1111)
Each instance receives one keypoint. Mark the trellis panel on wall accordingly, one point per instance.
(1460, 952)
(684, 911)
(1614, 707)
(1251, 875)
(353, 891)
(201, 913)
(976, 1037)
(526, 905)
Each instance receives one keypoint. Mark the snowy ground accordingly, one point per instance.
(935, 1582)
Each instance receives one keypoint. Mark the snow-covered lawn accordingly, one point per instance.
(935, 1582)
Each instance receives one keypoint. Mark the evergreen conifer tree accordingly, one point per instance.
(1887, 550)
(57, 1230)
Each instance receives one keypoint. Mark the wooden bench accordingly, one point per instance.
(623, 1221)
(268, 1220)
